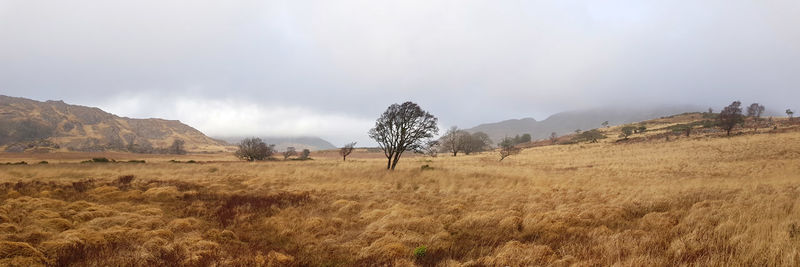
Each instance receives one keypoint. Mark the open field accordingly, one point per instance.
(694, 201)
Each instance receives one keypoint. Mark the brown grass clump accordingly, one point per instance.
(693, 201)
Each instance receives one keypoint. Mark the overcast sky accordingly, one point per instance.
(329, 68)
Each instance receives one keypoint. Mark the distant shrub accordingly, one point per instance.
(627, 131)
(178, 161)
(43, 162)
(426, 167)
(589, 136)
(136, 161)
(17, 163)
(100, 160)
(305, 154)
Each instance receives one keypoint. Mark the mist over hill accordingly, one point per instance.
(569, 121)
(299, 142)
(27, 124)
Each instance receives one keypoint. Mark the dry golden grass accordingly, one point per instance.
(704, 201)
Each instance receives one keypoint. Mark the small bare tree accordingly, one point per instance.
(177, 147)
(789, 113)
(730, 116)
(346, 150)
(507, 148)
(754, 111)
(453, 140)
(553, 138)
(290, 151)
(304, 155)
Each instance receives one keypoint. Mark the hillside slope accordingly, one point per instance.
(567, 122)
(55, 125)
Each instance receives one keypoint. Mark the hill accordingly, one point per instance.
(567, 122)
(281, 143)
(27, 124)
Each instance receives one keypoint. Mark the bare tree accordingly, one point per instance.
(290, 151)
(754, 111)
(605, 124)
(304, 155)
(252, 149)
(453, 140)
(431, 148)
(346, 150)
(789, 113)
(177, 147)
(476, 142)
(730, 116)
(507, 148)
(553, 138)
(402, 127)
(710, 111)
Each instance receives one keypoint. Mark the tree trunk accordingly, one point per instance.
(396, 159)
(389, 162)
(344, 158)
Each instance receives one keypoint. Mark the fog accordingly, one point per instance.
(329, 68)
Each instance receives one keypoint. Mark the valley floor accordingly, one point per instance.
(705, 201)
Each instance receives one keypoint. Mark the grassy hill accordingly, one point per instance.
(567, 122)
(693, 125)
(54, 125)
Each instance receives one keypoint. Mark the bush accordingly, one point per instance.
(591, 135)
(43, 162)
(426, 167)
(136, 161)
(420, 251)
(178, 161)
(627, 131)
(305, 154)
(252, 149)
(125, 180)
(100, 160)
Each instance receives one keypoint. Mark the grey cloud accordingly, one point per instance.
(467, 61)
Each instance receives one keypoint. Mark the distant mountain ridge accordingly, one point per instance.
(567, 122)
(53, 125)
(281, 143)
